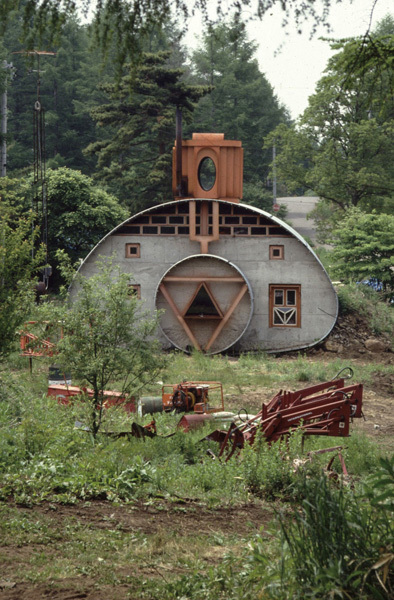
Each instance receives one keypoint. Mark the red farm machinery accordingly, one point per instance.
(324, 409)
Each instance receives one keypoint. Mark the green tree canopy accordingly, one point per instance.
(342, 148)
(125, 23)
(242, 104)
(136, 158)
(79, 214)
(364, 249)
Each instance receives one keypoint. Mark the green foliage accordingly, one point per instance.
(124, 24)
(140, 121)
(361, 299)
(80, 213)
(342, 147)
(242, 104)
(18, 269)
(73, 202)
(333, 545)
(364, 249)
(265, 471)
(106, 337)
(68, 88)
(336, 545)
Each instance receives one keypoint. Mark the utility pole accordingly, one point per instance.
(275, 205)
(3, 148)
(39, 181)
(274, 173)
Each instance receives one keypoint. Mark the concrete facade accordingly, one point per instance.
(263, 286)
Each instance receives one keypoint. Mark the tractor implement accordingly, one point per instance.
(323, 409)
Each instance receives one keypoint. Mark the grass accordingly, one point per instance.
(45, 462)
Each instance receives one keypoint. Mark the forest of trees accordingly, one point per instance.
(109, 113)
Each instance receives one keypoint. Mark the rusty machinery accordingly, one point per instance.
(193, 396)
(323, 409)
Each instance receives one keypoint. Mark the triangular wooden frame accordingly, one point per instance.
(218, 315)
(222, 322)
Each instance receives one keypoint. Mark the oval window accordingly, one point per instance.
(207, 173)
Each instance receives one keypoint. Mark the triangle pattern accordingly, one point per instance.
(203, 304)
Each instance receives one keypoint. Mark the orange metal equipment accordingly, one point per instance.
(32, 346)
(193, 396)
(65, 394)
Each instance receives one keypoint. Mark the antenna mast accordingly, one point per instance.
(39, 165)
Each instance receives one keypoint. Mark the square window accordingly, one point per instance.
(135, 290)
(133, 250)
(277, 252)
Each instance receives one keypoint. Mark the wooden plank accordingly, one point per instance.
(227, 316)
(186, 279)
(181, 320)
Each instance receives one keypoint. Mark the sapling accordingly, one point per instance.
(107, 337)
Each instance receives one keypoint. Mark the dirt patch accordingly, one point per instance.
(352, 337)
(68, 589)
(183, 518)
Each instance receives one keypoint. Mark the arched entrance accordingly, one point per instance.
(208, 303)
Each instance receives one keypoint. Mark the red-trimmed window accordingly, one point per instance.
(135, 289)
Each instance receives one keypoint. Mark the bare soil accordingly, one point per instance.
(192, 519)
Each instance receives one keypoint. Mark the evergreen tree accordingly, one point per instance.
(242, 104)
(67, 88)
(140, 119)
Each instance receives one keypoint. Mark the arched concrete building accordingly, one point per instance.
(224, 273)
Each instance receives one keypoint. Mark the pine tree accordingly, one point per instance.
(242, 104)
(140, 119)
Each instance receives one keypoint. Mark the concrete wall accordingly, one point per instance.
(251, 256)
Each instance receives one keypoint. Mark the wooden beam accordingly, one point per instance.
(186, 279)
(227, 316)
(181, 320)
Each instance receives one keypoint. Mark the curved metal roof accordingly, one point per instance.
(259, 211)
(247, 206)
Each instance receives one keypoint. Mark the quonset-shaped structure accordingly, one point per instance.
(224, 273)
